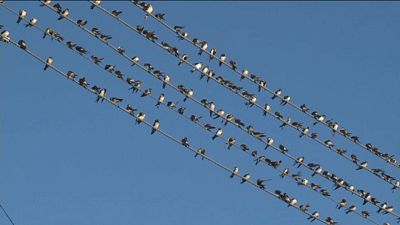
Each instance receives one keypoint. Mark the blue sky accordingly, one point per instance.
(67, 160)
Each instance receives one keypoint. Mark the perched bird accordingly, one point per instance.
(160, 100)
(130, 109)
(146, 93)
(160, 16)
(116, 100)
(218, 133)
(201, 152)
(135, 60)
(140, 117)
(95, 3)
(261, 183)
(317, 170)
(304, 208)
(292, 202)
(49, 62)
(314, 216)
(300, 161)
(285, 100)
(304, 131)
(109, 68)
(166, 81)
(185, 142)
(32, 22)
(245, 178)
(45, 2)
(71, 44)
(231, 142)
(57, 7)
(81, 22)
(213, 53)
(244, 74)
(329, 144)
(362, 165)
(285, 123)
(116, 13)
(182, 59)
(267, 108)
(351, 209)
(181, 110)
(197, 66)
(189, 94)
(277, 93)
(204, 46)
(284, 173)
(22, 44)
(222, 59)
(21, 15)
(81, 50)
(341, 204)
(232, 63)
(71, 75)
(270, 141)
(101, 95)
(235, 171)
(5, 36)
(155, 126)
(64, 14)
(83, 82)
(96, 59)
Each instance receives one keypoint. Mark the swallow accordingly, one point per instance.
(232, 64)
(160, 100)
(283, 149)
(351, 209)
(64, 14)
(96, 59)
(81, 50)
(182, 59)
(178, 28)
(116, 13)
(22, 44)
(195, 118)
(277, 93)
(189, 94)
(116, 100)
(83, 82)
(101, 95)
(201, 152)
(329, 144)
(244, 74)
(81, 22)
(341, 204)
(300, 161)
(304, 208)
(185, 142)
(71, 44)
(317, 170)
(135, 60)
(204, 46)
(365, 214)
(245, 178)
(148, 67)
(57, 7)
(148, 8)
(319, 118)
(146, 93)
(362, 165)
(32, 22)
(270, 141)
(95, 3)
(304, 108)
(286, 122)
(217, 134)
(235, 171)
(209, 127)
(231, 141)
(261, 183)
(49, 62)
(292, 202)
(285, 100)
(155, 126)
(166, 81)
(213, 53)
(21, 15)
(197, 66)
(222, 59)
(119, 74)
(71, 75)
(140, 117)
(284, 173)
(130, 109)
(45, 2)
(160, 16)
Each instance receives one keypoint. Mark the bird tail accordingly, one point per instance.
(232, 175)
(153, 130)
(215, 136)
(45, 67)
(19, 20)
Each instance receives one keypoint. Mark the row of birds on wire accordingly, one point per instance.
(187, 92)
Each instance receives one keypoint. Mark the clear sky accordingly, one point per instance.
(64, 159)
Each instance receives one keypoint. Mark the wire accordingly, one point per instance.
(126, 57)
(384, 156)
(5, 213)
(165, 134)
(244, 97)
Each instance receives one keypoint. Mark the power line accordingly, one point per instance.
(167, 135)
(5, 213)
(369, 147)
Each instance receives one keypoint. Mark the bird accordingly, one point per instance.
(213, 53)
(284, 173)
(160, 100)
(244, 74)
(222, 59)
(119, 74)
(146, 92)
(261, 183)
(121, 50)
(235, 171)
(101, 95)
(286, 122)
(166, 81)
(292, 202)
(232, 64)
(304, 131)
(71, 44)
(197, 66)
(95, 3)
(201, 152)
(317, 170)
(140, 117)
(81, 50)
(362, 165)
(49, 62)
(189, 94)
(130, 109)
(21, 15)
(116, 100)
(71, 75)
(329, 144)
(64, 14)
(96, 59)
(116, 13)
(277, 93)
(185, 142)
(341, 204)
(351, 209)
(148, 8)
(300, 161)
(155, 126)
(218, 133)
(160, 16)
(81, 22)
(5, 36)
(82, 81)
(45, 2)
(182, 59)
(245, 178)
(267, 108)
(22, 44)
(211, 107)
(313, 216)
(135, 60)
(285, 100)
(57, 7)
(231, 142)
(270, 141)
(32, 22)
(304, 208)
(204, 46)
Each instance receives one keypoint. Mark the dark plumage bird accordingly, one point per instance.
(81, 50)
(245, 178)
(155, 126)
(101, 95)
(82, 81)
(21, 15)
(116, 13)
(81, 22)
(235, 171)
(116, 100)
(96, 59)
(146, 92)
(185, 142)
(64, 14)
(160, 16)
(49, 62)
(22, 44)
(201, 152)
